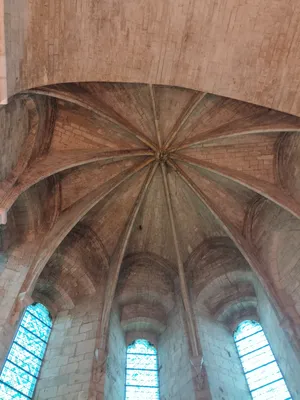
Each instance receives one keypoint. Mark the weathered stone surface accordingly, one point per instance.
(164, 204)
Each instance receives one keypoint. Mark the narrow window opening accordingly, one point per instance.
(20, 371)
(262, 372)
(142, 371)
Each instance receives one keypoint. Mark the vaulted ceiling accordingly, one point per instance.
(132, 185)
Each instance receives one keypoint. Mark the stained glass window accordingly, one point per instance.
(142, 371)
(22, 365)
(263, 375)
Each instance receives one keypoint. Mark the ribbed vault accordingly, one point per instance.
(143, 179)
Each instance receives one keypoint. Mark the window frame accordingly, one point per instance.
(261, 365)
(142, 369)
(19, 325)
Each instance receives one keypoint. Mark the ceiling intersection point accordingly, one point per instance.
(106, 140)
(162, 156)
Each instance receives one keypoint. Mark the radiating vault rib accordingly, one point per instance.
(117, 258)
(262, 122)
(183, 285)
(241, 243)
(196, 99)
(156, 122)
(56, 162)
(264, 188)
(124, 124)
(69, 218)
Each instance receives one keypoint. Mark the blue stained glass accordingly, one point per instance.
(140, 377)
(141, 346)
(18, 379)
(135, 360)
(35, 326)
(253, 360)
(141, 393)
(142, 371)
(24, 359)
(7, 393)
(274, 391)
(31, 342)
(41, 313)
(21, 368)
(262, 373)
(246, 330)
(251, 343)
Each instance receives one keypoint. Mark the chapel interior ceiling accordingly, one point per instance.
(160, 176)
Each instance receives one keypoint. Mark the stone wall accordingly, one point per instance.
(67, 367)
(11, 279)
(224, 370)
(14, 127)
(285, 354)
(275, 235)
(3, 83)
(202, 46)
(114, 388)
(175, 368)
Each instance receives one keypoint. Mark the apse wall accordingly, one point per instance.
(114, 387)
(67, 368)
(224, 370)
(67, 371)
(275, 236)
(176, 373)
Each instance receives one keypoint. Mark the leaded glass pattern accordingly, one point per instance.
(22, 366)
(142, 371)
(262, 373)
